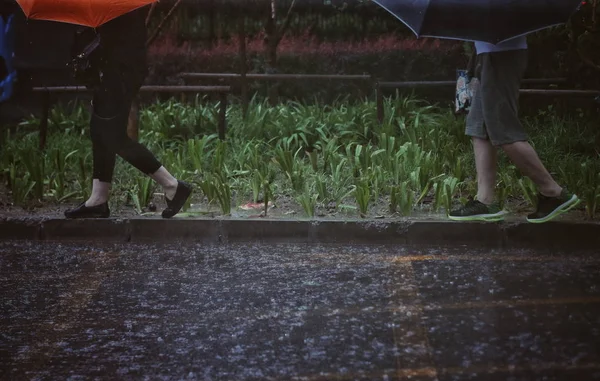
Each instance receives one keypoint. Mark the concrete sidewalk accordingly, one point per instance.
(565, 235)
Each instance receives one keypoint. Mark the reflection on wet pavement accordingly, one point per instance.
(261, 312)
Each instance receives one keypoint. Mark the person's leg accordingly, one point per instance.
(134, 153)
(486, 166)
(109, 137)
(506, 131)
(100, 192)
(114, 139)
(167, 181)
(509, 133)
(483, 207)
(552, 200)
(104, 157)
(103, 161)
(176, 192)
(527, 161)
(137, 155)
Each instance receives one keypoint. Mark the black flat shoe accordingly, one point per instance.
(82, 211)
(184, 190)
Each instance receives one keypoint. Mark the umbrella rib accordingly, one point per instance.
(492, 21)
(396, 16)
(533, 31)
(91, 13)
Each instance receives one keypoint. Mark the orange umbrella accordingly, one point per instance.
(92, 13)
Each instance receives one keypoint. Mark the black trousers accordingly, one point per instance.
(111, 105)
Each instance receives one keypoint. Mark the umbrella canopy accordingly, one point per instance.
(92, 13)
(491, 21)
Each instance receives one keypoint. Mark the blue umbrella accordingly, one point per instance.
(491, 21)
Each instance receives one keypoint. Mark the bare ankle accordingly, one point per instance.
(95, 202)
(170, 190)
(487, 200)
(551, 192)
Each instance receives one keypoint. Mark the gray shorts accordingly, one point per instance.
(495, 107)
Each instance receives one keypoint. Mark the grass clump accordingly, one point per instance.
(320, 159)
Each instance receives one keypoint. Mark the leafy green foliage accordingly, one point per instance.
(336, 157)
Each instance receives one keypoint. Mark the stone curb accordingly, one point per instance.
(560, 235)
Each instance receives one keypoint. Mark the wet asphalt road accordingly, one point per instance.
(261, 312)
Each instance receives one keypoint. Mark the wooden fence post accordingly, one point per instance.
(243, 66)
(222, 115)
(44, 119)
(379, 101)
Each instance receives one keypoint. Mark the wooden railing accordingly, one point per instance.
(223, 91)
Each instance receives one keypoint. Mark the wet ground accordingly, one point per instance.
(289, 312)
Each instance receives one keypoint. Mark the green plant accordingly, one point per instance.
(590, 187)
(314, 159)
(83, 179)
(133, 193)
(290, 164)
(362, 157)
(35, 164)
(145, 190)
(21, 185)
(199, 152)
(362, 194)
(176, 121)
(378, 180)
(329, 150)
(339, 149)
(308, 200)
(438, 195)
(222, 192)
(256, 183)
(458, 168)
(58, 182)
(267, 178)
(502, 191)
(402, 198)
(529, 190)
(422, 183)
(209, 189)
(450, 185)
(341, 180)
(322, 188)
(219, 156)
